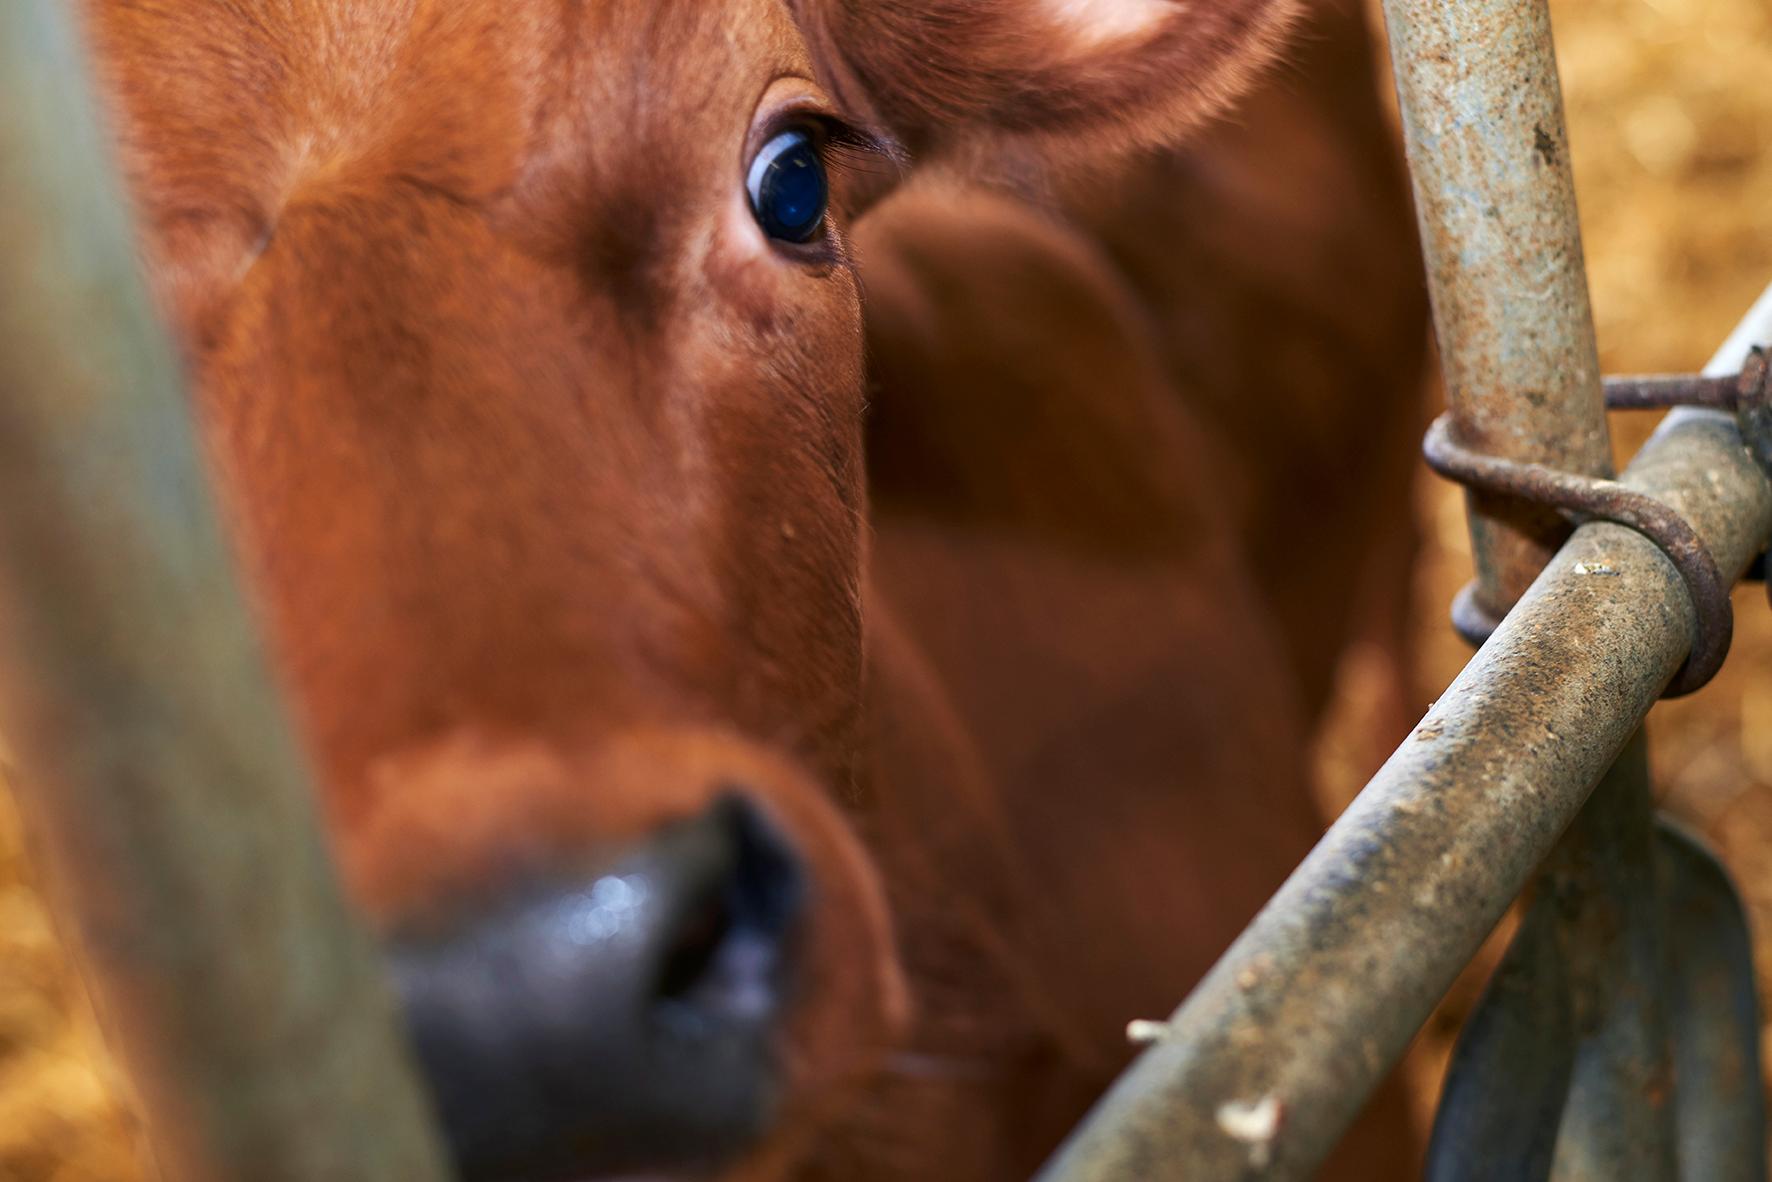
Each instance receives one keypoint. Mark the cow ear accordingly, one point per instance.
(941, 75)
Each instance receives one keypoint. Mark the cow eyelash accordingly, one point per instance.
(842, 145)
(845, 144)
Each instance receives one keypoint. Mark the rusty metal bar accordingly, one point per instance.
(1320, 995)
(1663, 391)
(1509, 1076)
(1482, 112)
(156, 772)
(1596, 499)
(1617, 1123)
(1483, 123)
(1714, 1018)
(1568, 1039)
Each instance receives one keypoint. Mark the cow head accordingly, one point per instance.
(527, 347)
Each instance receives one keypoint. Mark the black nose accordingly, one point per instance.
(624, 1024)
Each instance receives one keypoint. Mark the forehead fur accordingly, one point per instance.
(244, 106)
(593, 134)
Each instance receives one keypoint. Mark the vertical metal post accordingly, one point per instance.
(154, 766)
(1601, 885)
(1509, 1077)
(1483, 123)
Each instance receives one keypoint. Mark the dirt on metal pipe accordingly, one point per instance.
(1319, 997)
(1618, 1121)
(1482, 114)
(155, 770)
(1488, 152)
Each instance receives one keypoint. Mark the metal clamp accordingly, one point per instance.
(1747, 395)
(1753, 408)
(1588, 498)
(1593, 499)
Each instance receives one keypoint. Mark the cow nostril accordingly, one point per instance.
(617, 1026)
(693, 951)
(725, 952)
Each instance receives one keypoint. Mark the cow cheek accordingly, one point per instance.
(854, 1000)
(852, 958)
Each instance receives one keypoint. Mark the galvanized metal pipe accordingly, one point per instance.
(1495, 197)
(1509, 1075)
(1630, 1113)
(1617, 1123)
(1273, 1055)
(154, 767)
(1482, 114)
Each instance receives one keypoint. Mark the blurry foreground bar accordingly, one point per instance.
(156, 772)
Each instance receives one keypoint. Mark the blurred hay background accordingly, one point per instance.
(1670, 121)
(62, 1116)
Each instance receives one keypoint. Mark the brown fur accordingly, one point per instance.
(552, 480)
(944, 74)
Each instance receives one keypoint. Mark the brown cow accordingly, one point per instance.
(734, 788)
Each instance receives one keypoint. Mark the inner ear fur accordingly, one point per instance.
(943, 75)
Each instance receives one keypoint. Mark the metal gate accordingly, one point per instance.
(1619, 1039)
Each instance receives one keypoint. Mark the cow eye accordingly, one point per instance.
(788, 187)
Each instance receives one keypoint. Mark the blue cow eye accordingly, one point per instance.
(788, 187)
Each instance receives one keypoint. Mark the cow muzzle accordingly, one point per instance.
(622, 1023)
